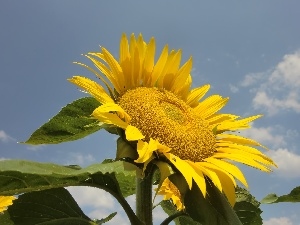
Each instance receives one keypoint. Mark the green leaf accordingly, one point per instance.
(247, 208)
(48, 207)
(71, 123)
(214, 209)
(20, 176)
(170, 209)
(5, 218)
(106, 219)
(293, 196)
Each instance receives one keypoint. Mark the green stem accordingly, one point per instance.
(172, 217)
(144, 196)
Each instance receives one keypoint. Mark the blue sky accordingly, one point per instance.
(248, 51)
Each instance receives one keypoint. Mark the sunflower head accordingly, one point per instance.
(153, 103)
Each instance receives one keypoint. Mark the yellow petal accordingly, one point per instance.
(96, 90)
(188, 172)
(230, 168)
(220, 118)
(132, 133)
(182, 75)
(170, 69)
(216, 168)
(242, 159)
(228, 187)
(238, 124)
(148, 64)
(183, 167)
(170, 191)
(210, 105)
(238, 139)
(104, 69)
(124, 50)
(97, 74)
(185, 89)
(112, 107)
(159, 66)
(196, 94)
(227, 181)
(209, 173)
(109, 118)
(145, 150)
(6, 201)
(116, 69)
(223, 146)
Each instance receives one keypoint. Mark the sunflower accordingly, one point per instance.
(5, 201)
(155, 106)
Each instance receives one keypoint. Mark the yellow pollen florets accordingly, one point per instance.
(161, 115)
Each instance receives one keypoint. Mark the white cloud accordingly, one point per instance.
(287, 162)
(35, 147)
(279, 88)
(4, 137)
(94, 197)
(266, 136)
(159, 215)
(252, 78)
(2, 159)
(80, 159)
(278, 221)
(233, 88)
(102, 204)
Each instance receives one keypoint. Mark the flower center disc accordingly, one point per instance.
(161, 115)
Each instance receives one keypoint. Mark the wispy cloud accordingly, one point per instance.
(99, 203)
(2, 158)
(271, 136)
(278, 221)
(233, 88)
(4, 137)
(35, 147)
(80, 159)
(253, 78)
(277, 139)
(278, 88)
(288, 163)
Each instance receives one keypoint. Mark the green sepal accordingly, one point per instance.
(71, 123)
(125, 150)
(293, 196)
(165, 171)
(213, 209)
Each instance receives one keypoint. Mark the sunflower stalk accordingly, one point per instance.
(144, 196)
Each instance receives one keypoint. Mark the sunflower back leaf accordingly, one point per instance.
(20, 176)
(247, 207)
(170, 209)
(293, 196)
(213, 209)
(53, 206)
(71, 123)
